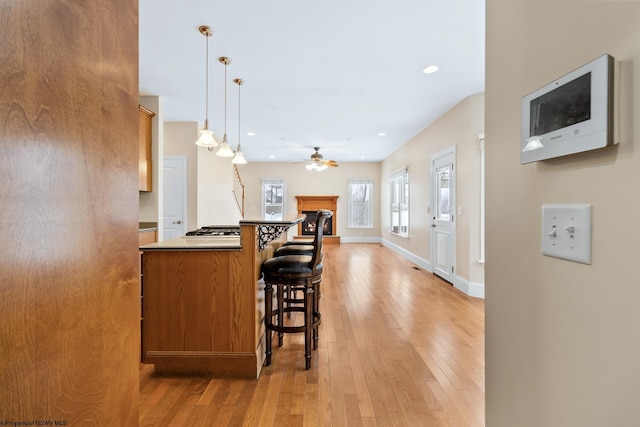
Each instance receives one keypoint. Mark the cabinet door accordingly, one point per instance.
(145, 161)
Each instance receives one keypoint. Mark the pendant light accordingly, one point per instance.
(238, 158)
(206, 136)
(225, 150)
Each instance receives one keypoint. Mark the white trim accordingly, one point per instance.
(401, 174)
(274, 181)
(424, 263)
(369, 183)
(472, 289)
(482, 173)
(185, 190)
(360, 240)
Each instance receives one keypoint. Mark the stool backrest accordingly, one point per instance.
(321, 217)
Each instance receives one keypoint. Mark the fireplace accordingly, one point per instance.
(309, 225)
(310, 205)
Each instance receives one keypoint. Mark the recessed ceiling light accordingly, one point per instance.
(382, 134)
(430, 69)
(272, 156)
(251, 134)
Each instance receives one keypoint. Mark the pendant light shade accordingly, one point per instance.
(206, 139)
(238, 158)
(206, 136)
(225, 149)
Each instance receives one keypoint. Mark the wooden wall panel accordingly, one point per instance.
(69, 329)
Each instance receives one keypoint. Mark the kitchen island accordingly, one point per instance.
(203, 301)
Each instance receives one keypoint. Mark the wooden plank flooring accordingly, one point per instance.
(398, 347)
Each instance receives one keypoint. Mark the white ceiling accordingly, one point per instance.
(332, 74)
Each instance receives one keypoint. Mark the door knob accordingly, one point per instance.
(177, 222)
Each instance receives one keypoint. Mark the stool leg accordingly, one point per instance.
(308, 322)
(268, 319)
(316, 312)
(280, 298)
(288, 294)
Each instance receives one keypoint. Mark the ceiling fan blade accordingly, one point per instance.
(331, 163)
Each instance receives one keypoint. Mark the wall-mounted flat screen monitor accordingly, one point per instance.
(569, 115)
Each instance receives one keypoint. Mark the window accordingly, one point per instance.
(399, 196)
(360, 203)
(273, 199)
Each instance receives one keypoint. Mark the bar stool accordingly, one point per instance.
(295, 272)
(298, 242)
(295, 248)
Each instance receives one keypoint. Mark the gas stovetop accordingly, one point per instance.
(215, 230)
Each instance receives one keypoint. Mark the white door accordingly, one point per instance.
(443, 240)
(174, 221)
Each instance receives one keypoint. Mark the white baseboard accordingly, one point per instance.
(473, 289)
(424, 263)
(360, 240)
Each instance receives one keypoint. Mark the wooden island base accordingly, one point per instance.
(201, 363)
(203, 308)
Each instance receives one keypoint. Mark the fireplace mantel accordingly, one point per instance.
(314, 203)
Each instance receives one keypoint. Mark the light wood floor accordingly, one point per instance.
(398, 347)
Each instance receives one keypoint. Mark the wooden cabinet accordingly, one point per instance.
(144, 238)
(145, 164)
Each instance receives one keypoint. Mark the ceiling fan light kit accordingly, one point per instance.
(316, 162)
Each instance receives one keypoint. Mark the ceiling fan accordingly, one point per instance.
(316, 162)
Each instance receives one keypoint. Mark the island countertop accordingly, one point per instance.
(267, 230)
(286, 222)
(196, 243)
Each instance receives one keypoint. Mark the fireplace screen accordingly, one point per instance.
(309, 224)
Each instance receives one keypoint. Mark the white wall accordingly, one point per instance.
(562, 341)
(216, 203)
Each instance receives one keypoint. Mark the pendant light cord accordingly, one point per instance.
(225, 98)
(206, 95)
(239, 84)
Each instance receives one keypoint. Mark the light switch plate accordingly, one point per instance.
(566, 232)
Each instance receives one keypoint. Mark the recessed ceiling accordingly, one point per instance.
(332, 74)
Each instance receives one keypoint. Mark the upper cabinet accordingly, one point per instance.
(145, 160)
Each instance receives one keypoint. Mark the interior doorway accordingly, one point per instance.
(174, 216)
